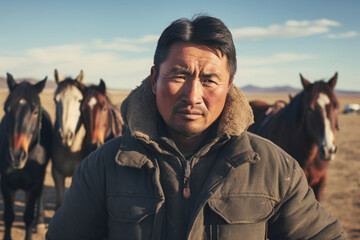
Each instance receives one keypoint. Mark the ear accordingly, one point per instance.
(153, 79)
(11, 82)
(332, 81)
(230, 82)
(102, 86)
(304, 81)
(58, 77)
(80, 78)
(40, 85)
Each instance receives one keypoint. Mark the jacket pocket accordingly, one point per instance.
(130, 217)
(238, 217)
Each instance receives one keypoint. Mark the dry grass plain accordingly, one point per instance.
(342, 193)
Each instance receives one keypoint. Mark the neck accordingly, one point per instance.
(188, 144)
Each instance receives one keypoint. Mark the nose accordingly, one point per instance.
(192, 92)
(68, 138)
(327, 153)
(18, 158)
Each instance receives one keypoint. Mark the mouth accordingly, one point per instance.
(190, 114)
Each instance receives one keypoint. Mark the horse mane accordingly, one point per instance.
(322, 86)
(68, 81)
(117, 122)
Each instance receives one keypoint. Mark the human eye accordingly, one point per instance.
(209, 82)
(178, 78)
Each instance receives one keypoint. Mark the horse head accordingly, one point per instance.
(320, 114)
(68, 97)
(95, 111)
(23, 114)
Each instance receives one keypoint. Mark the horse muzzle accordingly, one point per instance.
(18, 158)
(68, 138)
(327, 153)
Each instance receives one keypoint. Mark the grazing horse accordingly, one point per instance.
(25, 149)
(69, 132)
(305, 128)
(101, 119)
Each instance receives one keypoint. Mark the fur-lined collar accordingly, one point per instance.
(139, 112)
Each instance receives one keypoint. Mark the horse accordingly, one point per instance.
(305, 128)
(25, 150)
(68, 131)
(101, 118)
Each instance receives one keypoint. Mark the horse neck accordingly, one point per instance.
(293, 116)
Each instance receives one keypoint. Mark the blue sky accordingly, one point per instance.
(115, 40)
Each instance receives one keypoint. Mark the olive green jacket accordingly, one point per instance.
(252, 190)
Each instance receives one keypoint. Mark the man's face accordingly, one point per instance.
(191, 88)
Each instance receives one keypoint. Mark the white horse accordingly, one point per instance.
(69, 131)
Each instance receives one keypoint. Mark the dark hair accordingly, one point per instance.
(203, 30)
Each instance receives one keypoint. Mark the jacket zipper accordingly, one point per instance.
(186, 188)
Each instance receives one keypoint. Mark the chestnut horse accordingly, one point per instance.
(69, 132)
(101, 119)
(305, 128)
(25, 149)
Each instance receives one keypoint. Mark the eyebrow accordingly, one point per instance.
(184, 71)
(180, 70)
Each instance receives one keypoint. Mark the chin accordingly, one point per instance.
(189, 131)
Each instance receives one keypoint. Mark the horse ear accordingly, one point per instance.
(304, 81)
(58, 77)
(102, 86)
(81, 86)
(80, 78)
(40, 85)
(11, 82)
(332, 81)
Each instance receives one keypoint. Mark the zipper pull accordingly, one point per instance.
(186, 190)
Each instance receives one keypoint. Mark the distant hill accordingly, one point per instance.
(280, 89)
(50, 84)
(287, 90)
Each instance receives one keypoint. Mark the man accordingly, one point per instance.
(186, 168)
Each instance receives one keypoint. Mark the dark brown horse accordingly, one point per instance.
(305, 128)
(101, 119)
(25, 149)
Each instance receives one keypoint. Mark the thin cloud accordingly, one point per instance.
(343, 35)
(249, 61)
(116, 69)
(290, 29)
(143, 40)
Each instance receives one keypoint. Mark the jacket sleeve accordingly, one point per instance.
(83, 214)
(300, 216)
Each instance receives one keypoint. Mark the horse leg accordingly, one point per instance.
(9, 216)
(59, 180)
(32, 197)
(38, 212)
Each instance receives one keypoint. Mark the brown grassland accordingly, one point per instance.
(342, 193)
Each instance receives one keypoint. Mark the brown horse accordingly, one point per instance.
(101, 119)
(305, 128)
